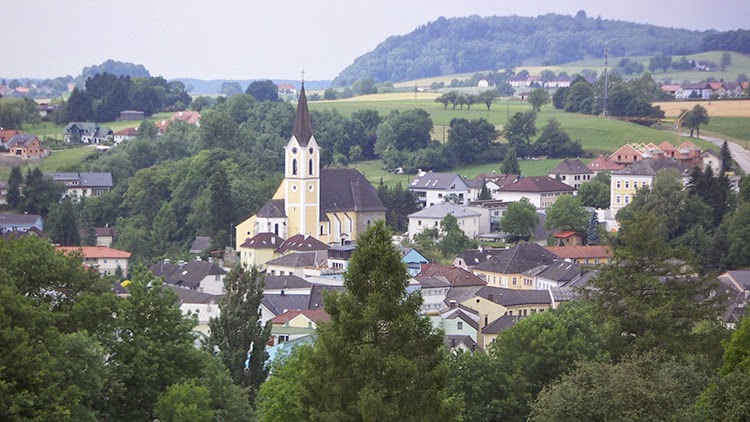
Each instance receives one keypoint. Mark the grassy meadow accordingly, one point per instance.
(51, 130)
(57, 161)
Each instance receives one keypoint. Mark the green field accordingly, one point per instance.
(57, 161)
(733, 128)
(596, 134)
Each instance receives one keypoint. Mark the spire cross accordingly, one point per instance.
(303, 76)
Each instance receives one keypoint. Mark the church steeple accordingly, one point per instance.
(302, 124)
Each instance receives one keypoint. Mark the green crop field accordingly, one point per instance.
(57, 161)
(733, 128)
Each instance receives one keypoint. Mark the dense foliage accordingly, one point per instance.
(471, 44)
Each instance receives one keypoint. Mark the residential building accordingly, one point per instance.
(125, 134)
(333, 205)
(26, 146)
(589, 254)
(86, 133)
(713, 160)
(541, 191)
(457, 322)
(106, 260)
(131, 115)
(625, 182)
(286, 285)
(413, 260)
(470, 258)
(203, 276)
(105, 235)
(571, 172)
(736, 285)
(434, 290)
(259, 249)
(603, 163)
(189, 117)
(507, 269)
(297, 263)
(203, 306)
(200, 245)
(296, 324)
(469, 220)
(457, 277)
(20, 223)
(568, 238)
(81, 185)
(434, 188)
(701, 90)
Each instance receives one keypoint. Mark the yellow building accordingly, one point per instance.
(625, 182)
(332, 205)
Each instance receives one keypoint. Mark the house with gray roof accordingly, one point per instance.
(202, 276)
(20, 223)
(80, 185)
(86, 133)
(26, 146)
(509, 268)
(470, 221)
(572, 172)
(433, 188)
(286, 284)
(625, 182)
(297, 262)
(203, 305)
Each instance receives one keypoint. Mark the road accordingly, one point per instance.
(740, 155)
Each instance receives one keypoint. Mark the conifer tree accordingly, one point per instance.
(484, 193)
(377, 358)
(510, 163)
(237, 335)
(15, 181)
(592, 233)
(726, 158)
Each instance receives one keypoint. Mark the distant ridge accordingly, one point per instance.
(474, 43)
(213, 86)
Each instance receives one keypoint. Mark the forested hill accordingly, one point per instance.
(474, 43)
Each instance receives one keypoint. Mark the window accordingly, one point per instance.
(283, 338)
(419, 222)
(627, 184)
(294, 166)
(617, 199)
(617, 184)
(515, 281)
(627, 199)
(310, 167)
(459, 325)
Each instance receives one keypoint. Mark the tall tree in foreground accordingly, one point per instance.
(238, 333)
(376, 359)
(15, 181)
(510, 163)
(726, 158)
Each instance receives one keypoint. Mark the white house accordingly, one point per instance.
(434, 291)
(433, 188)
(541, 191)
(571, 172)
(106, 260)
(468, 219)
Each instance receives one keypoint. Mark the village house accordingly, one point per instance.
(541, 191)
(457, 277)
(507, 268)
(295, 324)
(332, 205)
(434, 289)
(106, 260)
(86, 133)
(105, 235)
(203, 306)
(203, 276)
(588, 254)
(81, 185)
(125, 134)
(434, 188)
(20, 223)
(470, 221)
(571, 172)
(625, 182)
(603, 164)
(26, 146)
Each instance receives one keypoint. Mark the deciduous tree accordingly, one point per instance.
(538, 98)
(520, 218)
(567, 213)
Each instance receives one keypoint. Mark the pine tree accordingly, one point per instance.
(376, 359)
(221, 207)
(484, 193)
(510, 163)
(14, 188)
(592, 233)
(726, 158)
(238, 333)
(62, 224)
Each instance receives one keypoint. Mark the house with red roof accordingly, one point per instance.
(541, 191)
(125, 134)
(296, 323)
(589, 254)
(105, 259)
(568, 238)
(603, 163)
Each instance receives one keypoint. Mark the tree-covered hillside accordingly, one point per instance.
(477, 43)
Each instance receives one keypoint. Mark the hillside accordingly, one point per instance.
(476, 43)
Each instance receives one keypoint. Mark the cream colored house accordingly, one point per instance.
(105, 259)
(470, 221)
(625, 182)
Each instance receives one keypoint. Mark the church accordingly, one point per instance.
(332, 205)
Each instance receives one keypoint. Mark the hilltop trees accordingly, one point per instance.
(263, 90)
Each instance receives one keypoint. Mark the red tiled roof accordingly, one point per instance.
(191, 117)
(128, 131)
(5, 135)
(94, 251)
(576, 252)
(316, 316)
(603, 163)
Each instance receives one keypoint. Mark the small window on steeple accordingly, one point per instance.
(294, 166)
(310, 167)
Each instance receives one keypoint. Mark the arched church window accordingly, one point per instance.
(294, 166)
(276, 229)
(310, 167)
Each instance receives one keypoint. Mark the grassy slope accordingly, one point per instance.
(58, 160)
(51, 130)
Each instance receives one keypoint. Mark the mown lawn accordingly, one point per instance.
(58, 160)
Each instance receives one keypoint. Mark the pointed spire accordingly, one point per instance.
(302, 124)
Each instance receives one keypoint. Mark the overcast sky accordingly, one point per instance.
(232, 39)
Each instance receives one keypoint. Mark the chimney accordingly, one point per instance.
(491, 297)
(453, 342)
(282, 292)
(452, 304)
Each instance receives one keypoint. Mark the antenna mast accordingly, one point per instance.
(606, 79)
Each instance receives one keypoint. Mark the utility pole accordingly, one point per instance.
(606, 79)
